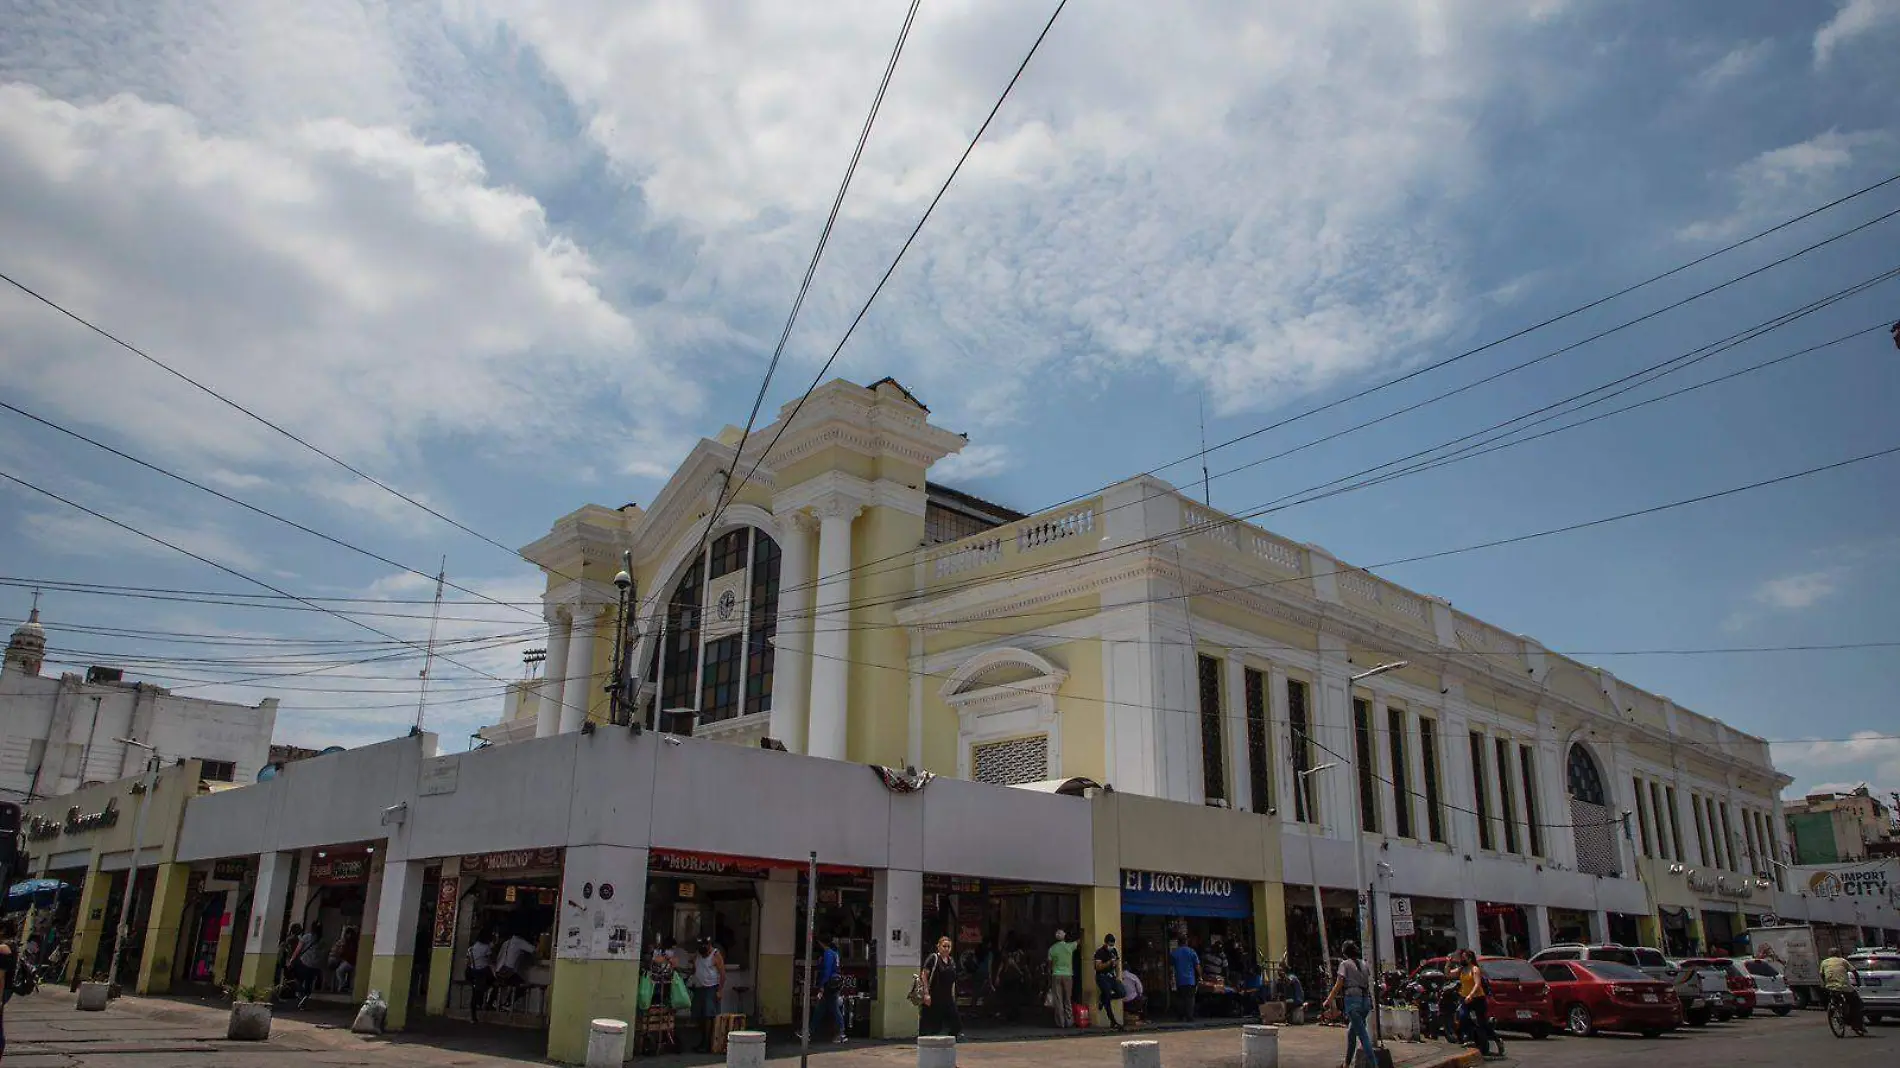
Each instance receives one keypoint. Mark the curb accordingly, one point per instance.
(1462, 1059)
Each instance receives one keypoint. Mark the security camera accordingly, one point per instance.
(623, 580)
(671, 739)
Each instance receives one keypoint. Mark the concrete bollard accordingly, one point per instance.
(936, 1051)
(1141, 1053)
(606, 1044)
(745, 1049)
(93, 996)
(1259, 1046)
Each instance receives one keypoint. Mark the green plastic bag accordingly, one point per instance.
(646, 992)
(682, 1000)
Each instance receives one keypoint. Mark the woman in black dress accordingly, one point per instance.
(939, 1012)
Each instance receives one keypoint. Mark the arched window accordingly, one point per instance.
(1586, 780)
(715, 656)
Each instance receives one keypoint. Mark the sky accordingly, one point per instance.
(515, 257)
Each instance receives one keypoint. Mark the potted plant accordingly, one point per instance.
(250, 1013)
(94, 994)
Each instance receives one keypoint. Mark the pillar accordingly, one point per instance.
(1649, 931)
(1539, 924)
(266, 927)
(791, 690)
(226, 936)
(1468, 924)
(831, 631)
(162, 918)
(1383, 939)
(1599, 925)
(366, 934)
(398, 901)
(897, 915)
(442, 962)
(91, 925)
(781, 947)
(300, 887)
(1101, 916)
(1269, 920)
(577, 688)
(547, 716)
(597, 946)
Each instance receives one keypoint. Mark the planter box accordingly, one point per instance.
(1400, 1023)
(93, 996)
(250, 1022)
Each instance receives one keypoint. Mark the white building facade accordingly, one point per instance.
(60, 734)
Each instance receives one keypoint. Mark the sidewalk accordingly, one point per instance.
(45, 1031)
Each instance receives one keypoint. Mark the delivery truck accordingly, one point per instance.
(1792, 948)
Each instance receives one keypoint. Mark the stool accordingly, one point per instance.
(657, 1033)
(723, 1024)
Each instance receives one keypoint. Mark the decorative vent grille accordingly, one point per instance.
(1007, 763)
(1596, 838)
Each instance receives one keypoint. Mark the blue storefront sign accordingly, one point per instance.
(1159, 893)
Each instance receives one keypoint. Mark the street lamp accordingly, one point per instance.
(147, 783)
(1359, 854)
(1312, 869)
(617, 690)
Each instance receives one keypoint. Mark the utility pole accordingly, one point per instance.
(146, 784)
(619, 707)
(428, 656)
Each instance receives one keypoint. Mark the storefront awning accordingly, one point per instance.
(1147, 893)
(40, 892)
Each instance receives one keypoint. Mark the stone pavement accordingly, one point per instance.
(45, 1031)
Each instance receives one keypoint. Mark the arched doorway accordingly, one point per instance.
(1592, 820)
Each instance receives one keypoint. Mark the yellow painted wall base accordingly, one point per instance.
(1649, 931)
(257, 969)
(222, 959)
(892, 1014)
(435, 1000)
(161, 930)
(390, 975)
(775, 990)
(1269, 920)
(584, 991)
(1101, 916)
(92, 922)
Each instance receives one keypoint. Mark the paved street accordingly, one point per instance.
(44, 1031)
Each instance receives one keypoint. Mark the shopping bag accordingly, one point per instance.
(1081, 1016)
(678, 997)
(646, 992)
(917, 989)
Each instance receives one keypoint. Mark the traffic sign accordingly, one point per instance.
(1402, 906)
(1402, 927)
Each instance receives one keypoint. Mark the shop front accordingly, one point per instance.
(1434, 931)
(510, 897)
(1000, 932)
(1503, 930)
(843, 917)
(1569, 925)
(1213, 916)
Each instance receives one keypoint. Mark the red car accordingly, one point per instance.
(1600, 995)
(1520, 998)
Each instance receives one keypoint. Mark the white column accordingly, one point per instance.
(791, 685)
(1599, 925)
(831, 632)
(578, 689)
(1235, 725)
(1539, 927)
(1385, 940)
(267, 904)
(1468, 924)
(398, 901)
(547, 719)
(1284, 782)
(300, 890)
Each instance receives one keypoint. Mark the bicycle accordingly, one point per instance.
(1837, 1014)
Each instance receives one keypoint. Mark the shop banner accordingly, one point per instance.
(1152, 893)
(511, 860)
(447, 897)
(1878, 881)
(339, 868)
(672, 863)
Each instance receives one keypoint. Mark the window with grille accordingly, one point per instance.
(1586, 782)
(1656, 811)
(1480, 792)
(217, 770)
(1213, 769)
(1728, 841)
(1366, 759)
(1300, 752)
(1701, 830)
(761, 655)
(732, 674)
(1007, 763)
(1434, 803)
(1642, 818)
(1507, 805)
(1401, 774)
(1259, 758)
(1527, 761)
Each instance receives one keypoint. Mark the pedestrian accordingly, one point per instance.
(1187, 978)
(343, 960)
(512, 961)
(938, 1014)
(287, 956)
(309, 966)
(1134, 998)
(1062, 980)
(1352, 989)
(1108, 979)
(1287, 990)
(709, 982)
(480, 974)
(1474, 1006)
(830, 1008)
(1013, 986)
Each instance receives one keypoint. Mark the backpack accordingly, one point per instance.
(917, 989)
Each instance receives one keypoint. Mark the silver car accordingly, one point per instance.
(1771, 987)
(1879, 975)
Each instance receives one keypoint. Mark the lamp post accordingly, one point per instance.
(147, 783)
(619, 708)
(1359, 853)
(1312, 869)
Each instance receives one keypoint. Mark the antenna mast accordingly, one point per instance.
(428, 656)
(1207, 487)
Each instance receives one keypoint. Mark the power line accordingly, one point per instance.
(76, 586)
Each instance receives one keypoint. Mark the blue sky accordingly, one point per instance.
(514, 258)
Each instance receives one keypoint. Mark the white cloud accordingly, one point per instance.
(1794, 592)
(1736, 63)
(1855, 18)
(1782, 181)
(974, 462)
(64, 532)
(1866, 756)
(358, 283)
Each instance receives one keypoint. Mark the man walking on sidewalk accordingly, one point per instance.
(1187, 979)
(1062, 980)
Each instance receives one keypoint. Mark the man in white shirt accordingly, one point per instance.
(517, 956)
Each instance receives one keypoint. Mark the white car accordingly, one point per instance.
(1879, 975)
(1771, 987)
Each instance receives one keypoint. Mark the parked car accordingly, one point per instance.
(1770, 985)
(1740, 986)
(1701, 993)
(1712, 981)
(1600, 995)
(1520, 998)
(1879, 974)
(1649, 961)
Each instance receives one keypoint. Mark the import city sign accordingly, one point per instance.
(1875, 882)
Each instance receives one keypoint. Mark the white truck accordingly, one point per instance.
(1792, 948)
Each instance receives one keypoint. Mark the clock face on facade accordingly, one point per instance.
(728, 603)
